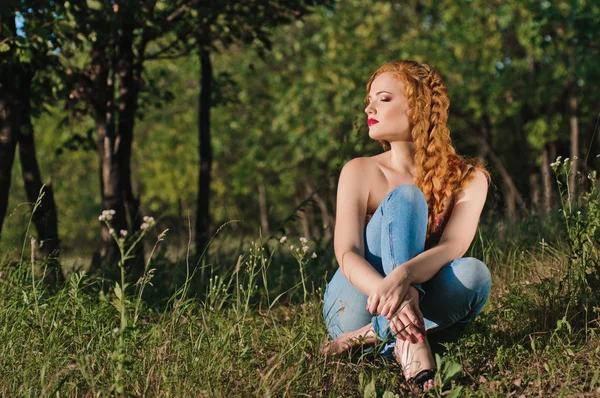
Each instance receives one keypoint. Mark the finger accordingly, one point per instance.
(412, 316)
(393, 328)
(401, 329)
(395, 331)
(381, 306)
(411, 328)
(373, 305)
(419, 315)
(385, 310)
(392, 309)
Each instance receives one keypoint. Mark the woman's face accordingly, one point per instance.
(388, 110)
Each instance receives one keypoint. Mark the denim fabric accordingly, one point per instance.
(395, 234)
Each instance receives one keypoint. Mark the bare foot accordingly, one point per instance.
(362, 336)
(415, 358)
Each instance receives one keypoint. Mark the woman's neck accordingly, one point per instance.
(402, 156)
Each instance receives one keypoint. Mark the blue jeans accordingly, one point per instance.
(394, 235)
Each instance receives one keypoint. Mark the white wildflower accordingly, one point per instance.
(314, 255)
(144, 226)
(283, 239)
(305, 248)
(566, 160)
(558, 159)
(106, 215)
(123, 232)
(292, 247)
(111, 231)
(303, 240)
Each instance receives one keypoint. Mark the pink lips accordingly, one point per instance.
(372, 122)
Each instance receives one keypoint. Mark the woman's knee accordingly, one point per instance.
(407, 193)
(473, 274)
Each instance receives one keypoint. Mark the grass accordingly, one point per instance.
(252, 325)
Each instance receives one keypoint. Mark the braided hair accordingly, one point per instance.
(440, 171)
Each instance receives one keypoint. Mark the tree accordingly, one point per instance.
(219, 25)
(24, 57)
(120, 37)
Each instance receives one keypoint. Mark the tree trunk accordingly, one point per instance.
(534, 194)
(262, 203)
(205, 150)
(512, 196)
(546, 180)
(110, 175)
(10, 112)
(45, 218)
(574, 126)
(11, 81)
(327, 220)
(305, 223)
(129, 78)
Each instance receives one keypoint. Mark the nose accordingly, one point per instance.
(370, 110)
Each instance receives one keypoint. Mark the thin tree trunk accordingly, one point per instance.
(305, 223)
(262, 203)
(534, 194)
(110, 176)
(10, 110)
(10, 113)
(45, 218)
(512, 196)
(574, 125)
(546, 180)
(129, 76)
(327, 219)
(205, 151)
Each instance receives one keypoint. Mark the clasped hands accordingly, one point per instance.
(398, 301)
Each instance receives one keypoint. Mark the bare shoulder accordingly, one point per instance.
(358, 172)
(476, 189)
(359, 165)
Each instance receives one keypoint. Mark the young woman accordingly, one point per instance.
(404, 220)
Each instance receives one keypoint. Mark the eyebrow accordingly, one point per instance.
(376, 94)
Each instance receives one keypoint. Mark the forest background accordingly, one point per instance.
(200, 114)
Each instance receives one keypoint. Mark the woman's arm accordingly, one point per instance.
(457, 235)
(455, 241)
(351, 209)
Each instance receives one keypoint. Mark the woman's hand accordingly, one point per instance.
(407, 323)
(388, 295)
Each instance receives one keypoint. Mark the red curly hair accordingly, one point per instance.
(440, 171)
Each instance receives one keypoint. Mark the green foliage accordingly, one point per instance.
(242, 332)
(582, 223)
